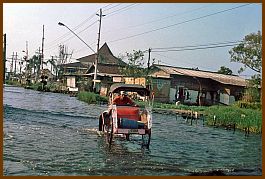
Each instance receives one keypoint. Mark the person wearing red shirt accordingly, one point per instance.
(123, 99)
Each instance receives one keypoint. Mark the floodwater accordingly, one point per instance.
(54, 134)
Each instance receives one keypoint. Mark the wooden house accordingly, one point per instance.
(80, 74)
(191, 86)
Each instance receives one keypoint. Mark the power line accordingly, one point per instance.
(165, 27)
(198, 48)
(112, 7)
(78, 26)
(160, 19)
(201, 45)
(75, 28)
(52, 47)
(82, 49)
(106, 6)
(122, 9)
(182, 62)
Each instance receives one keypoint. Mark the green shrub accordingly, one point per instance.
(91, 98)
(228, 115)
(181, 106)
(101, 98)
(10, 82)
(248, 117)
(248, 105)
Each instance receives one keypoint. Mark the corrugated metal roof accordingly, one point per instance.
(103, 74)
(75, 64)
(221, 78)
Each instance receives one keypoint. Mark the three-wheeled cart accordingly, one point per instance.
(128, 120)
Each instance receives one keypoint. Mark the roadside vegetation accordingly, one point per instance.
(244, 115)
(14, 83)
(91, 98)
(243, 118)
(34, 86)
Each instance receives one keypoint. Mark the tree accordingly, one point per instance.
(225, 70)
(249, 52)
(34, 62)
(252, 92)
(52, 62)
(135, 63)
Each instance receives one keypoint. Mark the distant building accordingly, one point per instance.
(190, 86)
(105, 57)
(79, 75)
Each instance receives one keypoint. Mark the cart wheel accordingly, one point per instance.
(149, 139)
(100, 123)
(109, 134)
(146, 139)
(127, 137)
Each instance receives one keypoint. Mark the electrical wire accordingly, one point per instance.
(157, 20)
(182, 62)
(201, 45)
(121, 10)
(172, 25)
(197, 48)
(112, 7)
(78, 26)
(52, 47)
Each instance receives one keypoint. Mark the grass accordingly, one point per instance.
(14, 83)
(91, 98)
(243, 116)
(173, 106)
(229, 115)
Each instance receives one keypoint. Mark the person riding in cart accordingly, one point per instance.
(123, 99)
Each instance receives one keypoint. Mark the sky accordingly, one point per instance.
(191, 27)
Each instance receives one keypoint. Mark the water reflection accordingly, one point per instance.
(61, 138)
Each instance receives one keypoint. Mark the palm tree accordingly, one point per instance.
(53, 65)
(35, 63)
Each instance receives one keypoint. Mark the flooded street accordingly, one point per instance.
(54, 134)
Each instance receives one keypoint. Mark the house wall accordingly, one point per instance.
(104, 85)
(139, 81)
(161, 89)
(212, 91)
(70, 82)
(191, 98)
(172, 94)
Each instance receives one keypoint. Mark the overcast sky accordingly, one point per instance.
(127, 27)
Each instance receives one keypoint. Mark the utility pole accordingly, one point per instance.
(52, 63)
(40, 60)
(42, 47)
(55, 61)
(148, 68)
(12, 63)
(149, 56)
(36, 71)
(15, 71)
(4, 53)
(20, 65)
(97, 54)
(26, 60)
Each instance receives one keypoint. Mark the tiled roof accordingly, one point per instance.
(221, 78)
(106, 70)
(111, 69)
(105, 57)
